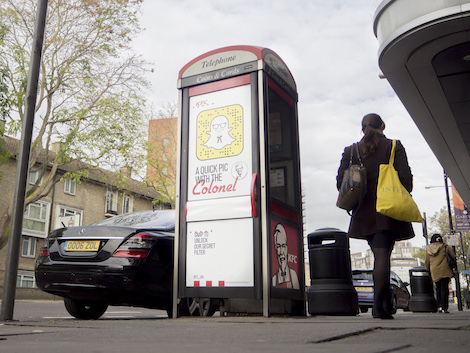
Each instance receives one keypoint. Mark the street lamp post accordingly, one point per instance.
(425, 228)
(451, 225)
(452, 231)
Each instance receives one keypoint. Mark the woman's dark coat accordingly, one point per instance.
(365, 220)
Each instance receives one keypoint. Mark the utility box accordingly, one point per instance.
(239, 228)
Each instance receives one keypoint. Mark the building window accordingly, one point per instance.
(111, 202)
(166, 142)
(127, 203)
(67, 217)
(69, 186)
(28, 248)
(35, 219)
(25, 279)
(34, 176)
(66, 212)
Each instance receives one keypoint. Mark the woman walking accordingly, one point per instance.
(380, 231)
(441, 273)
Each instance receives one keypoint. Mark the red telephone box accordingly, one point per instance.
(239, 237)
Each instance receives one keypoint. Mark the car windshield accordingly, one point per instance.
(365, 276)
(164, 220)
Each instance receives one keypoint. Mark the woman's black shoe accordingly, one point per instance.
(380, 314)
(384, 316)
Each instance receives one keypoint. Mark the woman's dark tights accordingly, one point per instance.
(442, 293)
(382, 299)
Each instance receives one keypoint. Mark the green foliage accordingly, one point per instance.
(420, 253)
(4, 106)
(91, 85)
(439, 222)
(4, 101)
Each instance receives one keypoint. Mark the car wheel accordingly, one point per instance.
(85, 310)
(394, 305)
(201, 306)
(364, 309)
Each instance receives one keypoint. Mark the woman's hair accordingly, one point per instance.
(372, 127)
(436, 238)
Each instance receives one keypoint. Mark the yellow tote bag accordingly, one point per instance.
(393, 200)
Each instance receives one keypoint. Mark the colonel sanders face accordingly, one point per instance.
(280, 243)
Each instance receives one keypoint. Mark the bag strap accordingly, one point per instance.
(358, 154)
(354, 145)
(392, 152)
(363, 177)
(351, 155)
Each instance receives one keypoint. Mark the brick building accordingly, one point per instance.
(161, 163)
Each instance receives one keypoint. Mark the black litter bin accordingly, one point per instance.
(331, 291)
(422, 291)
(466, 297)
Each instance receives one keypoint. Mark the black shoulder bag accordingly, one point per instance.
(354, 184)
(451, 261)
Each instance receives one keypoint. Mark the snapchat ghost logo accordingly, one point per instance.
(219, 133)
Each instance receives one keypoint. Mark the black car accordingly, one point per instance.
(364, 284)
(123, 260)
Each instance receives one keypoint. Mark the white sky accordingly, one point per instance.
(331, 50)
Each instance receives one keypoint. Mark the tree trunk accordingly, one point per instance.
(5, 227)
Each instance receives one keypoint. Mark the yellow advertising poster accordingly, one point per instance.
(220, 132)
(220, 146)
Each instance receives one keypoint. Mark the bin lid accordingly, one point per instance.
(326, 230)
(418, 271)
(329, 237)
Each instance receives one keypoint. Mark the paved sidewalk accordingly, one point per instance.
(408, 332)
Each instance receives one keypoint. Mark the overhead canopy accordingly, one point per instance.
(425, 55)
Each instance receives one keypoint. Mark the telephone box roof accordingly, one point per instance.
(236, 55)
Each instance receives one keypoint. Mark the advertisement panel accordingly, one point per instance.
(219, 233)
(285, 256)
(219, 163)
(220, 254)
(462, 216)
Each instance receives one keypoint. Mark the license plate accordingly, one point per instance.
(82, 245)
(364, 289)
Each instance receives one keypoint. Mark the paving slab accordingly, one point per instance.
(408, 332)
